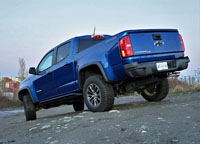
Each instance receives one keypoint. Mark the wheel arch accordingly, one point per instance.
(23, 92)
(86, 70)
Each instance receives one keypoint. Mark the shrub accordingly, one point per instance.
(176, 85)
(7, 103)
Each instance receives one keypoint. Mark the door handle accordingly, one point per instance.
(66, 64)
(49, 72)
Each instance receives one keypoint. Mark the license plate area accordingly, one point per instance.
(161, 66)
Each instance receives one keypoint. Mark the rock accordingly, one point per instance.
(49, 138)
(55, 141)
(114, 111)
(11, 141)
(67, 117)
(143, 129)
(67, 120)
(123, 129)
(84, 112)
(159, 118)
(188, 117)
(53, 121)
(32, 128)
(58, 131)
(174, 141)
(45, 127)
(78, 116)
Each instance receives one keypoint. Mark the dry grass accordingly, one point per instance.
(175, 85)
(7, 103)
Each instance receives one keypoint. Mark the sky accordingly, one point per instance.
(28, 29)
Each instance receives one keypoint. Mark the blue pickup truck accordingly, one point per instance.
(93, 69)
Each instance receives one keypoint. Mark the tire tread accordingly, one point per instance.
(161, 94)
(29, 108)
(107, 89)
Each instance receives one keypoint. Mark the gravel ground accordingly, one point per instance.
(176, 120)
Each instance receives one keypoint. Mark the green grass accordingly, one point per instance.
(192, 90)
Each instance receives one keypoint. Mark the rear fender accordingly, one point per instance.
(91, 67)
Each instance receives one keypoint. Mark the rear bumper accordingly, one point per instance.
(136, 69)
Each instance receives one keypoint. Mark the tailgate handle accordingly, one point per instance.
(156, 37)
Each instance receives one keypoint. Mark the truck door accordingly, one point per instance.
(64, 72)
(44, 81)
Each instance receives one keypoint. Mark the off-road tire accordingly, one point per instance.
(105, 89)
(29, 108)
(79, 105)
(160, 92)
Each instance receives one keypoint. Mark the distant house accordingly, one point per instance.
(9, 87)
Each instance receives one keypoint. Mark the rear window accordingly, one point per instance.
(63, 52)
(86, 43)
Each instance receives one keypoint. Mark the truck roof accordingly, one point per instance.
(123, 32)
(80, 37)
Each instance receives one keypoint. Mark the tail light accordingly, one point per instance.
(126, 47)
(182, 43)
(97, 36)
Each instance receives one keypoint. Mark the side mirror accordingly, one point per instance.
(32, 70)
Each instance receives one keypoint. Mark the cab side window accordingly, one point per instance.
(63, 52)
(46, 62)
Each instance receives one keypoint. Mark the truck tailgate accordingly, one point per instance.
(145, 43)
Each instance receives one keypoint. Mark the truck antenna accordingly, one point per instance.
(94, 31)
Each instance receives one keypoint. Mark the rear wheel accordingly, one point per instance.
(98, 95)
(156, 92)
(29, 108)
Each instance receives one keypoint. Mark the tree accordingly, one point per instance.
(22, 69)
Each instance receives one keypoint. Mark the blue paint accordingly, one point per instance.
(62, 78)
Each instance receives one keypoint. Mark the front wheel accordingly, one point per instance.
(98, 95)
(156, 92)
(29, 108)
(79, 105)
